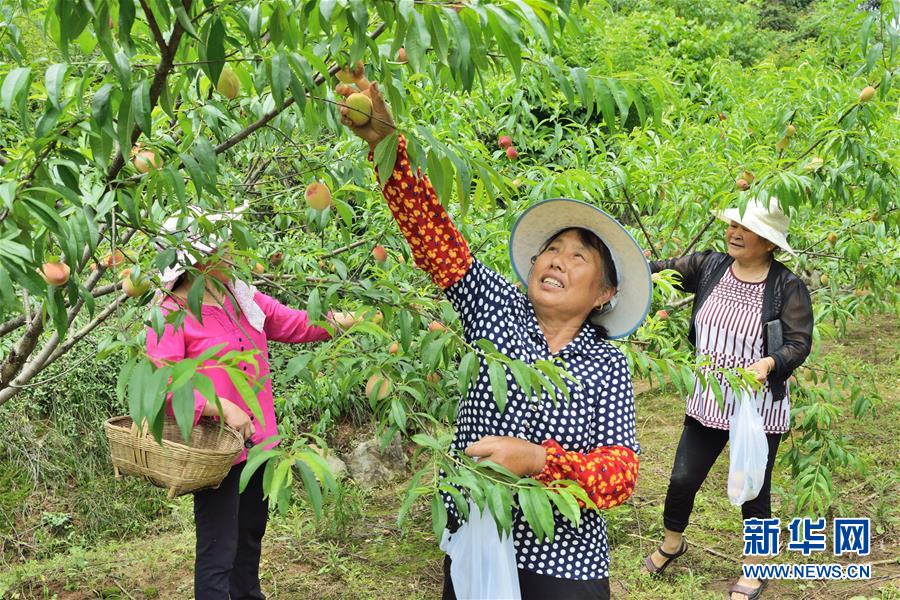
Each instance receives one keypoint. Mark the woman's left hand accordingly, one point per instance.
(519, 456)
(762, 368)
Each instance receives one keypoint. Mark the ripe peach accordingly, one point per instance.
(276, 258)
(742, 184)
(436, 326)
(379, 253)
(146, 160)
(662, 314)
(360, 108)
(55, 273)
(114, 260)
(394, 348)
(512, 153)
(504, 142)
(401, 56)
(318, 196)
(380, 382)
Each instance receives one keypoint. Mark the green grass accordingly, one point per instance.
(357, 551)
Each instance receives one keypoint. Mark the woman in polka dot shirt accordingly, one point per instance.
(587, 281)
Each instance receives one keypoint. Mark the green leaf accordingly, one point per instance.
(256, 457)
(185, 21)
(413, 492)
(438, 516)
(567, 506)
(126, 20)
(100, 105)
(497, 377)
(313, 491)
(281, 78)
(386, 157)
(14, 87)
(124, 127)
(137, 387)
(406, 323)
(195, 297)
(122, 67)
(53, 81)
(467, 369)
(183, 408)
(499, 502)
(215, 50)
(140, 107)
(537, 511)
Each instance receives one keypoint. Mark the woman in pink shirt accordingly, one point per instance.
(230, 525)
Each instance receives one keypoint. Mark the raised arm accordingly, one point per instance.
(289, 325)
(437, 246)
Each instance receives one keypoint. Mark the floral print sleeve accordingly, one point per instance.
(437, 246)
(608, 474)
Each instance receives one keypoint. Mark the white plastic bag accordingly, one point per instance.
(748, 454)
(483, 564)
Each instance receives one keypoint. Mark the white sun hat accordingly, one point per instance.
(764, 218)
(206, 245)
(538, 223)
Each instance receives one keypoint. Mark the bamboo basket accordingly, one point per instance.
(181, 468)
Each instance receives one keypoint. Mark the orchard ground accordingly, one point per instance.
(358, 552)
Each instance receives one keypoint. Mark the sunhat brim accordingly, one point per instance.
(776, 237)
(542, 220)
(201, 248)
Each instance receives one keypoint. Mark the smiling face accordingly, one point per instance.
(567, 280)
(746, 247)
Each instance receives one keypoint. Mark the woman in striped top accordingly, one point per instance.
(736, 295)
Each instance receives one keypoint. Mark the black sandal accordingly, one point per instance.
(658, 571)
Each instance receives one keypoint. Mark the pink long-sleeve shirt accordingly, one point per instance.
(223, 326)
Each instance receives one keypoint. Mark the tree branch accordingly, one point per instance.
(154, 27)
(53, 350)
(242, 135)
(159, 80)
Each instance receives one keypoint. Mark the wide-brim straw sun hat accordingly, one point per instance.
(537, 224)
(764, 218)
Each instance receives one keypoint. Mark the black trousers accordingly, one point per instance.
(543, 587)
(230, 528)
(697, 452)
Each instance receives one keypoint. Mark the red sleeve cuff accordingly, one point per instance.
(608, 474)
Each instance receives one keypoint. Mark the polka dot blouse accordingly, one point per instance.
(590, 439)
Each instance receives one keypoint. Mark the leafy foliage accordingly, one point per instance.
(650, 109)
